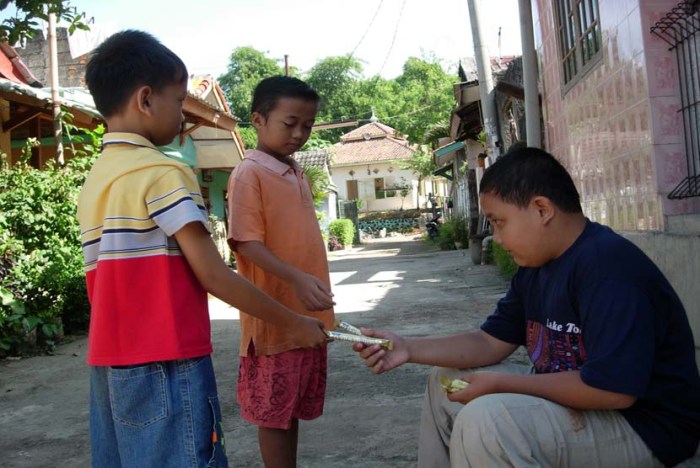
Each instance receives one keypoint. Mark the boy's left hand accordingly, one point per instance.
(313, 293)
(480, 383)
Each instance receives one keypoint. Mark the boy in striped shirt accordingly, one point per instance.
(150, 263)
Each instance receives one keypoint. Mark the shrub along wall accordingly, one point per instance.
(42, 281)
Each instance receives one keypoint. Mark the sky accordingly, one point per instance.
(382, 34)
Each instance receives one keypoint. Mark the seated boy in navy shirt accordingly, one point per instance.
(613, 381)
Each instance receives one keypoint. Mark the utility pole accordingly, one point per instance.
(483, 68)
(286, 65)
(532, 98)
(55, 98)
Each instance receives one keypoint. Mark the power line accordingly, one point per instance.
(368, 28)
(393, 39)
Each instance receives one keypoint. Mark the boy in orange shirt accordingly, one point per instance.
(274, 231)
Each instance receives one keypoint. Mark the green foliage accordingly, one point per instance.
(461, 230)
(421, 164)
(446, 235)
(412, 103)
(453, 230)
(315, 142)
(320, 183)
(343, 229)
(404, 188)
(247, 67)
(249, 137)
(504, 260)
(22, 22)
(43, 282)
(436, 131)
(392, 214)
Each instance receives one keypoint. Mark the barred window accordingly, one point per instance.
(578, 26)
(680, 29)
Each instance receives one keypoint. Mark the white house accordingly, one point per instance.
(321, 159)
(367, 166)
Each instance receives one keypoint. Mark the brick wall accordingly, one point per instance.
(35, 54)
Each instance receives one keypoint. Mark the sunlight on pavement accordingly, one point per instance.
(349, 296)
(387, 276)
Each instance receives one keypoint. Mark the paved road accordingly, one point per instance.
(398, 284)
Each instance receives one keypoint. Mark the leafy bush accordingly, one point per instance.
(505, 262)
(446, 235)
(43, 282)
(343, 229)
(393, 214)
(461, 230)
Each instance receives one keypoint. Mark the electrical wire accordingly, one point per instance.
(393, 39)
(367, 29)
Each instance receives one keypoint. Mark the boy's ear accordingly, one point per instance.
(144, 96)
(257, 119)
(545, 208)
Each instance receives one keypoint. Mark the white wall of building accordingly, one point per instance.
(392, 174)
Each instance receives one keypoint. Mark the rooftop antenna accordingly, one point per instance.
(374, 118)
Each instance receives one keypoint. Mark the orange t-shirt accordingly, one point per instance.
(271, 202)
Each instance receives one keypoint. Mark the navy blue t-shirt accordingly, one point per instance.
(605, 309)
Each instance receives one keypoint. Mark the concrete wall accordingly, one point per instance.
(678, 257)
(35, 54)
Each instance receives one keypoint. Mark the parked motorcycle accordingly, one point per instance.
(432, 227)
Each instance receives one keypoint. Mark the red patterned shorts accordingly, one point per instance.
(273, 390)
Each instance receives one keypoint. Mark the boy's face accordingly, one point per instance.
(166, 112)
(521, 231)
(287, 126)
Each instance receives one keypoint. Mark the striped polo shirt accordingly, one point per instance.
(146, 303)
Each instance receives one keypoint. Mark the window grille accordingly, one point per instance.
(679, 29)
(578, 27)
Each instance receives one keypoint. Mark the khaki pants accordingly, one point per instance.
(517, 430)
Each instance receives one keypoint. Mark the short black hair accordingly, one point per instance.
(269, 91)
(524, 173)
(125, 61)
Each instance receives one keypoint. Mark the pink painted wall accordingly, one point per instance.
(618, 130)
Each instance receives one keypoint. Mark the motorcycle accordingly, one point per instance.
(432, 227)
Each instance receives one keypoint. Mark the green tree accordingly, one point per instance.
(336, 80)
(23, 24)
(247, 67)
(425, 97)
(421, 164)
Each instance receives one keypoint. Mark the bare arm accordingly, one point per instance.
(213, 274)
(312, 292)
(464, 350)
(565, 388)
(469, 349)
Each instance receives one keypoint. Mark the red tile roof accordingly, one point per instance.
(316, 158)
(13, 68)
(373, 142)
(371, 130)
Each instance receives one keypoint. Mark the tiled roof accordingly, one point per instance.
(370, 130)
(315, 158)
(372, 150)
(13, 68)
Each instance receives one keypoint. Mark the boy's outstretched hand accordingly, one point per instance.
(379, 359)
(313, 293)
(307, 332)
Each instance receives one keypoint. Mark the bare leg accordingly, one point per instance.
(278, 447)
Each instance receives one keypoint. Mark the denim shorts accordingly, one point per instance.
(156, 415)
